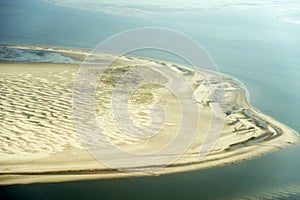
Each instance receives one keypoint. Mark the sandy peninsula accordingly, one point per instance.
(39, 141)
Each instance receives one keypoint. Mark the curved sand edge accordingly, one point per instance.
(40, 143)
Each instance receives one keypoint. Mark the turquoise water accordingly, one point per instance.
(251, 45)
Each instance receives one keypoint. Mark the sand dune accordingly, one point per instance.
(39, 141)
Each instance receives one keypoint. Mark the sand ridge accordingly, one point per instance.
(40, 143)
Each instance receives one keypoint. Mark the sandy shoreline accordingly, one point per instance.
(39, 141)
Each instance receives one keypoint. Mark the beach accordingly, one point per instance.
(40, 142)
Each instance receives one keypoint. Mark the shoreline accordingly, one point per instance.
(231, 147)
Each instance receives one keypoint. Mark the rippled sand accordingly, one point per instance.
(40, 143)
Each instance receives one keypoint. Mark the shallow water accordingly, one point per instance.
(264, 55)
(8, 54)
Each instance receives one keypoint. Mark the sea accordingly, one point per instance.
(255, 44)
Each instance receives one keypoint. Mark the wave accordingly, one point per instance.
(141, 8)
(289, 192)
(293, 18)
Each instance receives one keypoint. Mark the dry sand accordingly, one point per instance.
(40, 143)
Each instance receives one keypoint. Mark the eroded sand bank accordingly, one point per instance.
(40, 143)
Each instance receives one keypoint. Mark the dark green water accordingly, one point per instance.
(251, 45)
